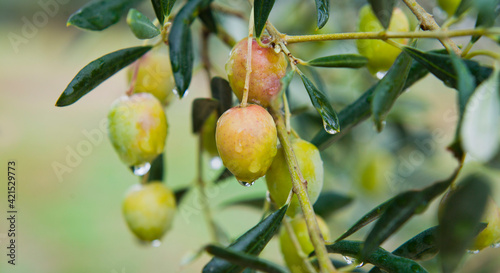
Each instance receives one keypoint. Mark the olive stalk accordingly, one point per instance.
(384, 35)
(248, 65)
(299, 188)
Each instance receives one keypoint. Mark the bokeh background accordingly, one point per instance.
(71, 221)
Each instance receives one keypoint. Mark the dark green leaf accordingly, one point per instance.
(98, 71)
(252, 242)
(458, 224)
(156, 172)
(223, 176)
(316, 77)
(222, 92)
(343, 60)
(100, 14)
(379, 257)
(181, 44)
(261, 11)
(371, 216)
(162, 8)
(383, 10)
(323, 11)
(141, 26)
(487, 13)
(324, 108)
(179, 194)
(329, 202)
(388, 89)
(208, 19)
(421, 247)
(401, 209)
(463, 7)
(201, 110)
(245, 260)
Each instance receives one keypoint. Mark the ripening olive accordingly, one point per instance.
(268, 67)
(246, 140)
(137, 128)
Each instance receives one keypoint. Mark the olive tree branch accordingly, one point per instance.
(299, 188)
(427, 22)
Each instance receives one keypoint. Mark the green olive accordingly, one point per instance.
(149, 210)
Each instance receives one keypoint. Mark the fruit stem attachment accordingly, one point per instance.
(248, 65)
(130, 90)
(201, 187)
(299, 188)
(295, 241)
(427, 22)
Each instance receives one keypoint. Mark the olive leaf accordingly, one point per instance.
(180, 193)
(388, 89)
(330, 202)
(221, 91)
(487, 13)
(162, 8)
(156, 172)
(141, 26)
(181, 44)
(245, 260)
(479, 130)
(201, 110)
(383, 10)
(341, 60)
(458, 224)
(379, 257)
(402, 207)
(323, 12)
(324, 108)
(252, 242)
(100, 14)
(98, 71)
(261, 11)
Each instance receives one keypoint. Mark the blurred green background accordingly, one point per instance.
(72, 222)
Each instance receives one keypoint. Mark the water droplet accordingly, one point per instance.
(329, 129)
(497, 245)
(268, 197)
(156, 243)
(176, 92)
(246, 184)
(142, 169)
(380, 74)
(360, 265)
(254, 166)
(476, 251)
(348, 260)
(215, 163)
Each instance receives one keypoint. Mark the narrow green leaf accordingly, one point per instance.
(100, 14)
(379, 257)
(141, 26)
(463, 7)
(261, 10)
(323, 12)
(252, 242)
(343, 60)
(371, 216)
(479, 131)
(208, 19)
(222, 92)
(156, 172)
(330, 202)
(98, 71)
(383, 10)
(401, 209)
(388, 89)
(223, 176)
(181, 44)
(180, 193)
(324, 108)
(162, 8)
(201, 110)
(487, 13)
(459, 221)
(465, 85)
(245, 260)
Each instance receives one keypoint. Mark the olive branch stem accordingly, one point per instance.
(299, 188)
(248, 65)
